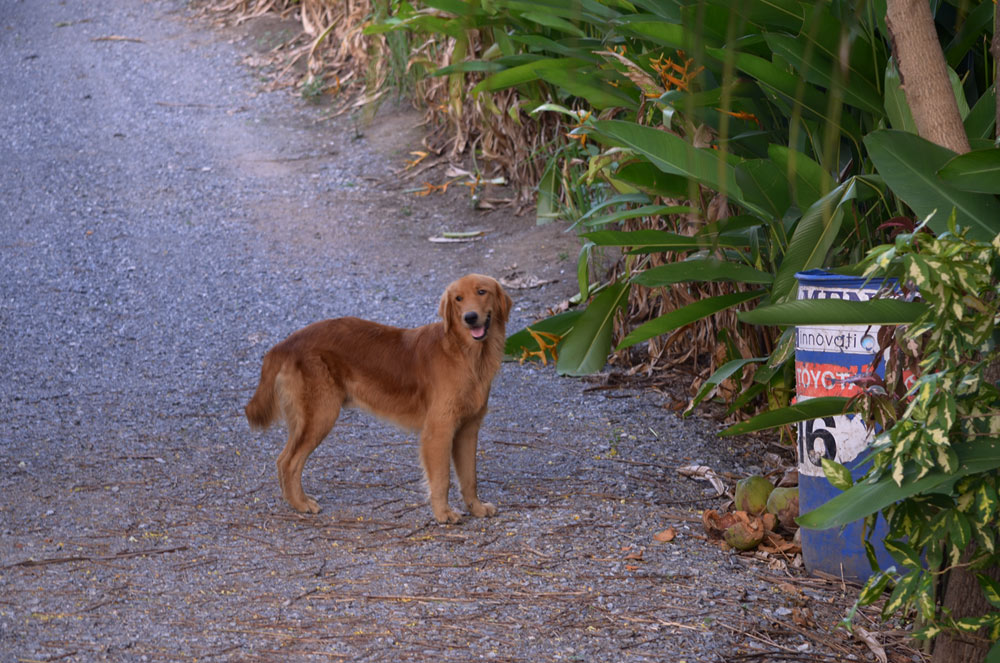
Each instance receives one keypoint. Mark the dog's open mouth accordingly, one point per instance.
(479, 332)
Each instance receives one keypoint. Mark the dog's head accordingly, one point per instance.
(473, 305)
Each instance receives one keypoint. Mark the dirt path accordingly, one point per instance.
(164, 221)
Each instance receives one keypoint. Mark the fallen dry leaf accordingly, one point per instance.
(666, 535)
(635, 555)
(705, 473)
(118, 38)
(789, 588)
(449, 238)
(869, 639)
(803, 617)
(524, 282)
(772, 459)
(677, 405)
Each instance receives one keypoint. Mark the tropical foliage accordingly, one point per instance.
(935, 465)
(733, 149)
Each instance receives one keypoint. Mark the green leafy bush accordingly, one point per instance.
(935, 465)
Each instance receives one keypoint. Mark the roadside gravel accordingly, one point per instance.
(165, 221)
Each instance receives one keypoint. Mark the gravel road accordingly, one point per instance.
(164, 221)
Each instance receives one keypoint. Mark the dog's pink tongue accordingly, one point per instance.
(478, 332)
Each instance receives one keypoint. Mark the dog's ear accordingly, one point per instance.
(445, 309)
(504, 302)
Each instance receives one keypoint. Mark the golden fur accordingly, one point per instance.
(433, 379)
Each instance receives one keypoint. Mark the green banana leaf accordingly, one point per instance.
(634, 212)
(588, 85)
(970, 29)
(765, 185)
(656, 30)
(977, 171)
(525, 73)
(835, 312)
(685, 316)
(814, 408)
(862, 499)
(547, 208)
(419, 23)
(585, 350)
(470, 65)
(909, 165)
(587, 11)
(456, 7)
(720, 375)
(569, 47)
(783, 15)
(671, 154)
(817, 68)
(648, 178)
(812, 238)
(654, 241)
(896, 107)
(824, 32)
(809, 181)
(551, 21)
(701, 269)
(981, 119)
(787, 86)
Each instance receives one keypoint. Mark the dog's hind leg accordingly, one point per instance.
(309, 422)
(463, 452)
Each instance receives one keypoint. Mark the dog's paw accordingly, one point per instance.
(308, 505)
(482, 509)
(447, 517)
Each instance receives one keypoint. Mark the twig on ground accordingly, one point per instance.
(93, 558)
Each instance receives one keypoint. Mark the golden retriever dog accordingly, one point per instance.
(433, 379)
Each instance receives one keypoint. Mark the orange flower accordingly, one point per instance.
(420, 156)
(675, 75)
(431, 188)
(582, 137)
(741, 115)
(546, 343)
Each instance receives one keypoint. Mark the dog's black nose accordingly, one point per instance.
(471, 318)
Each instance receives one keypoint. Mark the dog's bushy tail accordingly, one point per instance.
(262, 408)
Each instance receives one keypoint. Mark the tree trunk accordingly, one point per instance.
(927, 87)
(923, 73)
(964, 597)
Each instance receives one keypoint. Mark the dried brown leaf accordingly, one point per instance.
(665, 536)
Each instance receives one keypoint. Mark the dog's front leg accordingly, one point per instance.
(464, 453)
(435, 455)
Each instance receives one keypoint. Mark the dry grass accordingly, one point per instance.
(336, 52)
(698, 348)
(491, 135)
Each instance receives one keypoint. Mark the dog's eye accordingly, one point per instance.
(482, 292)
(458, 298)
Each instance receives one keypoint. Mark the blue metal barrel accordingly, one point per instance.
(827, 359)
